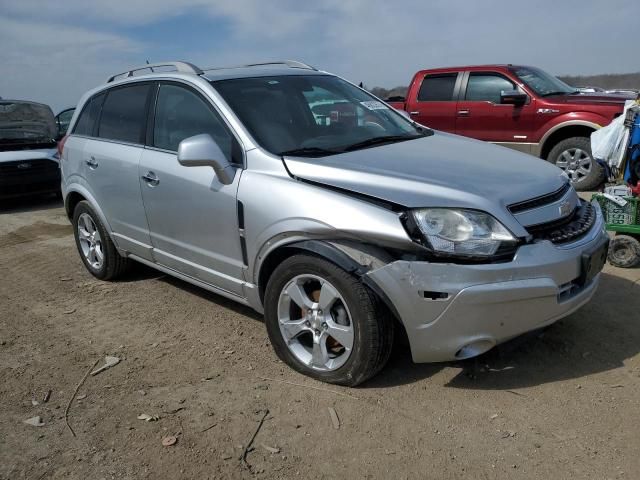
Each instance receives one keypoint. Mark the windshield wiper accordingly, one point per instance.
(557, 93)
(380, 140)
(309, 152)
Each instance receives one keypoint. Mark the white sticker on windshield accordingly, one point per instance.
(374, 105)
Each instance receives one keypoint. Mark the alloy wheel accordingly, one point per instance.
(90, 241)
(315, 323)
(576, 162)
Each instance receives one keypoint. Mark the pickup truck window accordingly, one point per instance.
(486, 87)
(541, 82)
(437, 88)
(313, 115)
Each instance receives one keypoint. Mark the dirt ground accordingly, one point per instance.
(555, 405)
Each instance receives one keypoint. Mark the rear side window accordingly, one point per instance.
(124, 114)
(487, 87)
(437, 88)
(181, 113)
(88, 116)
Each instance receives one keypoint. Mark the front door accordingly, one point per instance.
(481, 115)
(192, 216)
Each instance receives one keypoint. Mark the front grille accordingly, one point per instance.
(28, 167)
(566, 229)
(540, 201)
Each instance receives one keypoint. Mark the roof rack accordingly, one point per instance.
(288, 63)
(183, 67)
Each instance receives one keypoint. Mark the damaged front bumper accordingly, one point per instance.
(452, 311)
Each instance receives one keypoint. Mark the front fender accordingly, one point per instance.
(574, 119)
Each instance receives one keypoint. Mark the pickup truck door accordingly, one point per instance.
(433, 102)
(193, 219)
(481, 115)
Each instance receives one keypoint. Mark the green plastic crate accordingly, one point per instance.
(620, 219)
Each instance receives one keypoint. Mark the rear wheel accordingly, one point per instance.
(624, 251)
(573, 155)
(325, 323)
(97, 251)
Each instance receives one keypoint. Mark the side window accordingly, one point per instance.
(124, 114)
(437, 88)
(88, 116)
(487, 87)
(181, 113)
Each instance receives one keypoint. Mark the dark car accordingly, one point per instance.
(28, 155)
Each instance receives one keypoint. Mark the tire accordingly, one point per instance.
(587, 176)
(624, 251)
(105, 262)
(358, 308)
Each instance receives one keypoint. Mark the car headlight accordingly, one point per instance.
(462, 232)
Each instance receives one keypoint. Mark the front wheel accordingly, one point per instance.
(573, 155)
(325, 323)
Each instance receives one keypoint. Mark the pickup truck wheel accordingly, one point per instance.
(624, 251)
(325, 323)
(573, 155)
(97, 251)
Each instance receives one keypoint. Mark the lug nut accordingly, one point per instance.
(307, 323)
(325, 326)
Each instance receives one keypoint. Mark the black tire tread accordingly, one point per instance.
(630, 242)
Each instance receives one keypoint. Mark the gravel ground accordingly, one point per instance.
(555, 405)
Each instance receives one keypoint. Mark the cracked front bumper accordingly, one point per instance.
(487, 304)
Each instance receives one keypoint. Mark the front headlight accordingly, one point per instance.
(461, 232)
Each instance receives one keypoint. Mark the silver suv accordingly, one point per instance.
(295, 192)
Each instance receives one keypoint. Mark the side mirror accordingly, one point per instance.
(513, 97)
(203, 151)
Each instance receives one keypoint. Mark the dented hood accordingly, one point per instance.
(22, 121)
(439, 170)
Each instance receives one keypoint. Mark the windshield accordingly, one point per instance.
(541, 82)
(24, 122)
(313, 115)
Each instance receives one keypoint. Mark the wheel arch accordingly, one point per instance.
(335, 252)
(77, 194)
(564, 130)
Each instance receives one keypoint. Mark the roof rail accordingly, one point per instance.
(288, 63)
(183, 67)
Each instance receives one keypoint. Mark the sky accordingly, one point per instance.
(52, 52)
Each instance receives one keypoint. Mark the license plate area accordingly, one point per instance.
(592, 262)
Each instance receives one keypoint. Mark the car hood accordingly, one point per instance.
(590, 99)
(26, 121)
(441, 170)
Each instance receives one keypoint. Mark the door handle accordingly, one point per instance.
(92, 162)
(414, 113)
(464, 113)
(151, 179)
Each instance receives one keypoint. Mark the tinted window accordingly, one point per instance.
(486, 87)
(88, 116)
(437, 88)
(180, 114)
(123, 114)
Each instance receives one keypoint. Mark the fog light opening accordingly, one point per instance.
(474, 349)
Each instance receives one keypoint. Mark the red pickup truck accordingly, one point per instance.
(515, 106)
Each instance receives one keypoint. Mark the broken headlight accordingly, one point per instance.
(461, 232)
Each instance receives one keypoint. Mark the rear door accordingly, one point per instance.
(111, 165)
(436, 100)
(481, 115)
(193, 218)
